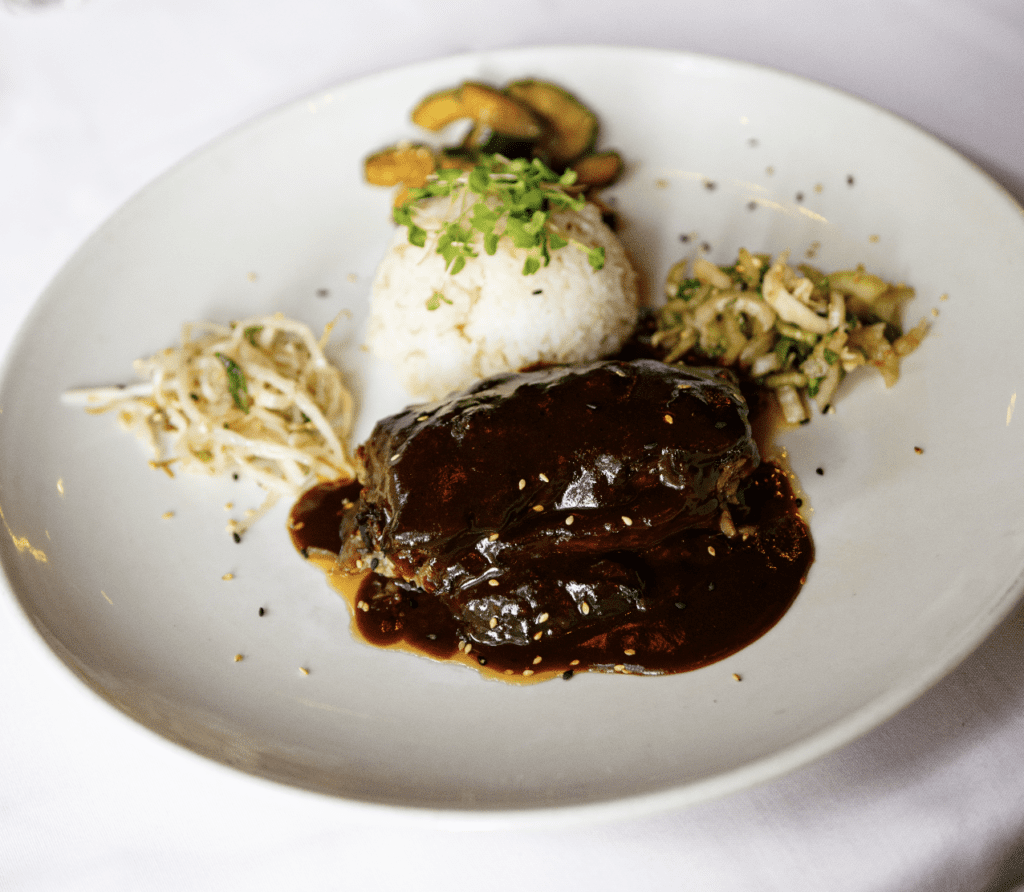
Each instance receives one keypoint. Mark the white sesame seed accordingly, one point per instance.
(537, 636)
(628, 521)
(522, 484)
(711, 550)
(574, 662)
(494, 622)
(469, 647)
(569, 520)
(584, 608)
(493, 537)
(669, 419)
(543, 618)
(629, 651)
(493, 582)
(422, 417)
(619, 667)
(538, 507)
(543, 478)
(303, 670)
(536, 660)
(527, 672)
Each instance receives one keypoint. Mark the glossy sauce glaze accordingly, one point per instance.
(682, 598)
(707, 595)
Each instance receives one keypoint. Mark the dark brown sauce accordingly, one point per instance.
(707, 595)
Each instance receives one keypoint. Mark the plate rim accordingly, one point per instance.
(802, 753)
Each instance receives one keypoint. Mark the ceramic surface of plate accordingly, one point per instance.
(919, 550)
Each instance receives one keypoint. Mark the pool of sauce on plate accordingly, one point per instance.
(707, 595)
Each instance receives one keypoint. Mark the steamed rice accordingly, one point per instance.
(498, 319)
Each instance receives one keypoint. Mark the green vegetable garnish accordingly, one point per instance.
(513, 199)
(237, 386)
(435, 300)
(251, 333)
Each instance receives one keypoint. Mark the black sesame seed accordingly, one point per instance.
(322, 292)
(705, 246)
(820, 472)
(849, 180)
(482, 661)
(751, 205)
(799, 197)
(538, 291)
(304, 552)
(262, 611)
(568, 674)
(237, 537)
(684, 238)
(234, 476)
(374, 563)
(799, 503)
(710, 185)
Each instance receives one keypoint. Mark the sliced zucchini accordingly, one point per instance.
(456, 158)
(438, 110)
(502, 113)
(570, 128)
(509, 146)
(484, 105)
(598, 169)
(407, 164)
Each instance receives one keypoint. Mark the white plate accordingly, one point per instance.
(919, 555)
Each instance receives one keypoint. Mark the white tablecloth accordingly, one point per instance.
(97, 98)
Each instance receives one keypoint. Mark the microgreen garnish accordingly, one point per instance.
(435, 300)
(237, 386)
(501, 198)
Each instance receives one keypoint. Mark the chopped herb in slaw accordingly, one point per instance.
(797, 332)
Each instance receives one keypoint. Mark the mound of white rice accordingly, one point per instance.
(499, 319)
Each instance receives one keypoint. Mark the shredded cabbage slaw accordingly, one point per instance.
(797, 332)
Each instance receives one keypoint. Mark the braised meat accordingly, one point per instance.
(471, 498)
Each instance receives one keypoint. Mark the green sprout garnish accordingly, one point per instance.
(237, 386)
(435, 300)
(514, 199)
(251, 333)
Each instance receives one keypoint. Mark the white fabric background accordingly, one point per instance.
(97, 98)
